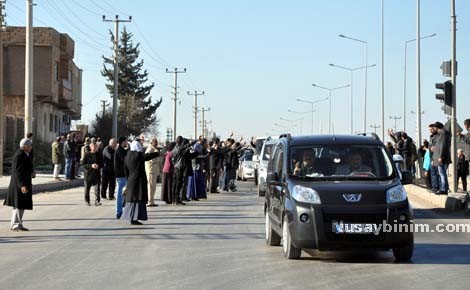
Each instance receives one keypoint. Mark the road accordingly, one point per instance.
(212, 244)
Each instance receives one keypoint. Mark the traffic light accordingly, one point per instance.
(446, 97)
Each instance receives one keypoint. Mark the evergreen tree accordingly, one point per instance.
(137, 111)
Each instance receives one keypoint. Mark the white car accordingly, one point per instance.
(246, 169)
(263, 165)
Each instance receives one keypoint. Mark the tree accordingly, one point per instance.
(137, 111)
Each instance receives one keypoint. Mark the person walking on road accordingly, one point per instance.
(108, 177)
(92, 164)
(215, 165)
(152, 171)
(20, 190)
(433, 172)
(167, 179)
(119, 158)
(137, 191)
(57, 156)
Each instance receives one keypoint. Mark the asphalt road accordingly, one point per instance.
(212, 244)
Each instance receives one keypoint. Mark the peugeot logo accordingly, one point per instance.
(352, 197)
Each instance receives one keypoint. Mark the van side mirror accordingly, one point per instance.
(273, 177)
(406, 177)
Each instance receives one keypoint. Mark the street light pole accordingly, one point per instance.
(395, 118)
(405, 76)
(313, 110)
(352, 70)
(418, 73)
(330, 90)
(453, 119)
(366, 66)
(383, 76)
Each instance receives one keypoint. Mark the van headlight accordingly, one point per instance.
(305, 194)
(396, 194)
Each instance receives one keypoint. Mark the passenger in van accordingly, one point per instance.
(306, 166)
(355, 165)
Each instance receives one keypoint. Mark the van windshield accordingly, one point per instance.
(344, 162)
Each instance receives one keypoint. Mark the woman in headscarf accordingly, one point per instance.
(167, 180)
(137, 193)
(197, 181)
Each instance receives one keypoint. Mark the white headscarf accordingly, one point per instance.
(136, 146)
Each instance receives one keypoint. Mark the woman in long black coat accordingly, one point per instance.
(20, 191)
(137, 193)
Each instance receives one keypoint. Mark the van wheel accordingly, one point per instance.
(289, 250)
(405, 253)
(272, 238)
(261, 192)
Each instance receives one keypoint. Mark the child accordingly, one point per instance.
(462, 169)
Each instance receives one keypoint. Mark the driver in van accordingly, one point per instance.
(306, 166)
(355, 165)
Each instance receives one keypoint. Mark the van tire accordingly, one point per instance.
(261, 193)
(272, 238)
(289, 250)
(403, 254)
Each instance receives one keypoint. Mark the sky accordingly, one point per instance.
(254, 59)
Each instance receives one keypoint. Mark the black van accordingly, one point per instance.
(336, 193)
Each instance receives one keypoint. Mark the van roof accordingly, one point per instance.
(334, 139)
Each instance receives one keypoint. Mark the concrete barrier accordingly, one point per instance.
(451, 202)
(49, 186)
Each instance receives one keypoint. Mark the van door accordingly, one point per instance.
(277, 187)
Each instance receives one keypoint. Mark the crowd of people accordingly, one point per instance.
(188, 169)
(434, 156)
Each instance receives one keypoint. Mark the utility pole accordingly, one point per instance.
(104, 105)
(375, 127)
(28, 79)
(203, 110)
(175, 97)
(116, 21)
(195, 94)
(2, 26)
(454, 101)
(395, 118)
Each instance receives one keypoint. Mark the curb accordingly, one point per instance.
(50, 186)
(451, 202)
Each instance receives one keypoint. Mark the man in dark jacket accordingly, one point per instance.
(69, 154)
(215, 156)
(180, 155)
(108, 176)
(92, 164)
(441, 156)
(231, 163)
(20, 193)
(119, 158)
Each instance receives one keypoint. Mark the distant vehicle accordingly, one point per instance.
(256, 156)
(265, 153)
(336, 193)
(246, 169)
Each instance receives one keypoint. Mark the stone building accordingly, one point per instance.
(57, 86)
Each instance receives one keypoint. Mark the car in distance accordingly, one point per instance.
(246, 169)
(336, 193)
(264, 156)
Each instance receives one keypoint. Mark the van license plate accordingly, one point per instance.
(347, 228)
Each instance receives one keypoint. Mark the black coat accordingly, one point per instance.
(92, 176)
(21, 175)
(134, 168)
(119, 159)
(108, 160)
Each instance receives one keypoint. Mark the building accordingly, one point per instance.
(57, 85)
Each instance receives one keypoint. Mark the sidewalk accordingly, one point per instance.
(451, 202)
(42, 183)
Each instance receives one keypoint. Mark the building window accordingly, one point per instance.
(51, 123)
(57, 71)
(56, 124)
(45, 120)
